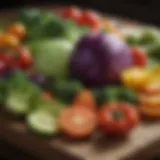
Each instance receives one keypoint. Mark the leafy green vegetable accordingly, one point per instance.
(154, 51)
(127, 95)
(114, 94)
(44, 25)
(132, 40)
(148, 37)
(51, 57)
(29, 17)
(21, 94)
(66, 90)
(101, 96)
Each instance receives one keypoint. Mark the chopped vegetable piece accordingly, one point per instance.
(148, 37)
(140, 59)
(18, 58)
(18, 30)
(132, 40)
(85, 98)
(135, 78)
(77, 122)
(150, 112)
(21, 94)
(100, 95)
(42, 123)
(47, 96)
(66, 90)
(8, 40)
(127, 95)
(51, 57)
(118, 119)
(114, 94)
(90, 19)
(150, 101)
(71, 13)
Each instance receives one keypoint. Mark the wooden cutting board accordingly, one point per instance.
(97, 148)
(15, 132)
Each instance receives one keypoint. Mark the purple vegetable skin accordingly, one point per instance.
(99, 59)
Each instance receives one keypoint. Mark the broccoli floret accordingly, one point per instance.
(21, 94)
(66, 90)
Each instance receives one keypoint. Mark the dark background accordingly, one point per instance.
(144, 10)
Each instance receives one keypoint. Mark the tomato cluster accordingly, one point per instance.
(16, 58)
(84, 18)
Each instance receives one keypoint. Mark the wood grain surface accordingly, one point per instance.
(14, 132)
(97, 148)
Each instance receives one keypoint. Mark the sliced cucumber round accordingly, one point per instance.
(17, 104)
(42, 122)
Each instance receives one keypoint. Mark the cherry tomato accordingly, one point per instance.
(18, 30)
(135, 78)
(77, 122)
(72, 13)
(85, 99)
(9, 40)
(90, 19)
(139, 57)
(18, 58)
(117, 119)
(25, 60)
(3, 68)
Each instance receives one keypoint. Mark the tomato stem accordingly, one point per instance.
(117, 115)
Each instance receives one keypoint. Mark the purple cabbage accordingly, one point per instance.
(99, 59)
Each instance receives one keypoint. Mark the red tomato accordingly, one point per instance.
(25, 60)
(117, 119)
(18, 58)
(3, 67)
(85, 99)
(72, 13)
(139, 57)
(90, 19)
(77, 122)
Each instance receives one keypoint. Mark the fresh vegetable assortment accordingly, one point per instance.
(75, 73)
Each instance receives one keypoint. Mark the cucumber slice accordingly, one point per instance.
(16, 105)
(42, 122)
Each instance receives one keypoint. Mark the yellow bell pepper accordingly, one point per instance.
(135, 78)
